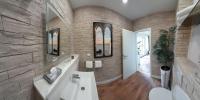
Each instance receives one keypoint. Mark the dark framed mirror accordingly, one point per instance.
(102, 39)
(54, 41)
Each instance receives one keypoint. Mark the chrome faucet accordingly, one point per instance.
(76, 76)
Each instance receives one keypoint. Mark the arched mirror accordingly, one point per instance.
(102, 39)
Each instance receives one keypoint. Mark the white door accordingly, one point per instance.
(129, 53)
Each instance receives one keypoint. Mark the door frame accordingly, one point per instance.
(137, 32)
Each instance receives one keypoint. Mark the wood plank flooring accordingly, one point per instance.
(136, 87)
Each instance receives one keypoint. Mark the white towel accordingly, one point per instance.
(89, 64)
(98, 64)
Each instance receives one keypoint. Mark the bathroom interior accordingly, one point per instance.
(99, 50)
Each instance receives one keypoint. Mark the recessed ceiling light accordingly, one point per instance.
(124, 1)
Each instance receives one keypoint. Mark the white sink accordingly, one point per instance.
(84, 89)
(63, 88)
(70, 91)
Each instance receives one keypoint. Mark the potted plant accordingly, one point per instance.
(163, 49)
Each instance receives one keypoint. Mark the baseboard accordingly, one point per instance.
(109, 80)
(155, 76)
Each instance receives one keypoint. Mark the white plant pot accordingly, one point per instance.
(165, 75)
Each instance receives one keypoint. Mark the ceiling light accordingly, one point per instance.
(124, 1)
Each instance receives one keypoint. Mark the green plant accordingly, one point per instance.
(163, 48)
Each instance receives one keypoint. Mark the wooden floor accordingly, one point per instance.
(136, 87)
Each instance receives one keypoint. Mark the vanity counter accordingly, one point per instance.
(84, 89)
(67, 66)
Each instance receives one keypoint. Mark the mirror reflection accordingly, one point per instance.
(58, 35)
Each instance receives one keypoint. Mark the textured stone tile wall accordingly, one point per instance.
(83, 39)
(186, 75)
(156, 21)
(183, 4)
(21, 47)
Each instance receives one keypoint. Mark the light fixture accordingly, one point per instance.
(124, 1)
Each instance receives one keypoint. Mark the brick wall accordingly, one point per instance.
(83, 39)
(182, 41)
(21, 47)
(156, 21)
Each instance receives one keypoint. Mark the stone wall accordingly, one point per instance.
(156, 21)
(186, 75)
(83, 39)
(21, 47)
(183, 4)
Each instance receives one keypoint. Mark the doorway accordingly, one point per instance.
(144, 51)
(136, 47)
(129, 48)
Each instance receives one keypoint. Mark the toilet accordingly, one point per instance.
(163, 94)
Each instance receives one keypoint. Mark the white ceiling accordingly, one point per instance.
(133, 9)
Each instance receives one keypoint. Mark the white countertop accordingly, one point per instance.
(43, 87)
(87, 80)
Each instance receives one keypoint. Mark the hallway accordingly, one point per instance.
(145, 66)
(136, 87)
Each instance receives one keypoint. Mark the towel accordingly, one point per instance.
(52, 75)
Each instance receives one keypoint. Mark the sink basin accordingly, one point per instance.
(70, 91)
(84, 89)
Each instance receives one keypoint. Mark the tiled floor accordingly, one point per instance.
(136, 87)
